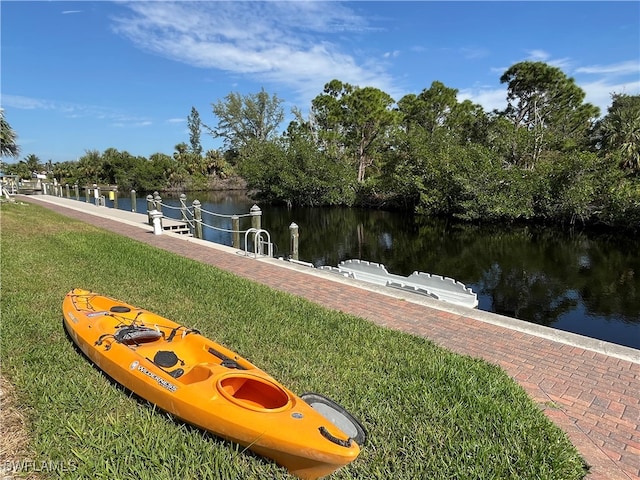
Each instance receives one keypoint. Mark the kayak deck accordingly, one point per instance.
(205, 384)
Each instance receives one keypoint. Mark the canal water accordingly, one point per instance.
(582, 282)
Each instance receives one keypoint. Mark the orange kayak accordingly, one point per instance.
(209, 386)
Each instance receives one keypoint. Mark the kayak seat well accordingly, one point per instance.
(253, 393)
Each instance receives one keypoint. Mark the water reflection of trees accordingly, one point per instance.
(533, 272)
(526, 295)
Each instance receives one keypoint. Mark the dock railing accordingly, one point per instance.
(257, 241)
(198, 219)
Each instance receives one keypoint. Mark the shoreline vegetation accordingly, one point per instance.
(547, 157)
(430, 413)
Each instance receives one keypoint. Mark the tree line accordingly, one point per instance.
(548, 156)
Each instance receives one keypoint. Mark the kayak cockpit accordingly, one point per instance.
(254, 393)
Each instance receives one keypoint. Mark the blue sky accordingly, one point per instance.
(78, 76)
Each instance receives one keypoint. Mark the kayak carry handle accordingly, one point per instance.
(337, 416)
(338, 441)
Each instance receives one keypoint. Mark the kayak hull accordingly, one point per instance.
(205, 384)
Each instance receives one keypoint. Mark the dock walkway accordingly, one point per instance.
(589, 388)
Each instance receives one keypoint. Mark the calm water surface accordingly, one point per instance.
(579, 282)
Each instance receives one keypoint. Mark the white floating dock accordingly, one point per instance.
(434, 286)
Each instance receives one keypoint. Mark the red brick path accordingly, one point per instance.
(593, 397)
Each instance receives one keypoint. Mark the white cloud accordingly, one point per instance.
(599, 92)
(74, 110)
(26, 103)
(542, 56)
(538, 56)
(598, 82)
(288, 43)
(132, 124)
(623, 68)
(303, 45)
(489, 98)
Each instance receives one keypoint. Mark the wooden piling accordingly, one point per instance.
(197, 219)
(183, 207)
(235, 226)
(134, 201)
(157, 201)
(150, 207)
(256, 217)
(294, 233)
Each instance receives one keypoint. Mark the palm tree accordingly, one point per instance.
(620, 131)
(8, 145)
(90, 167)
(33, 163)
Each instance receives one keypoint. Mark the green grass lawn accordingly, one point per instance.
(430, 414)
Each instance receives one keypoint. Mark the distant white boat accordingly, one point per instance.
(434, 286)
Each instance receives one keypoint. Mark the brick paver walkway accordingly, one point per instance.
(593, 397)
